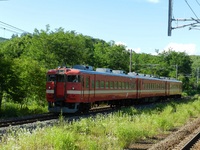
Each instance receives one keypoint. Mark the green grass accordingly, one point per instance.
(10, 109)
(111, 132)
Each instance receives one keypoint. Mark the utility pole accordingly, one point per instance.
(170, 18)
(197, 77)
(130, 60)
(176, 71)
(194, 23)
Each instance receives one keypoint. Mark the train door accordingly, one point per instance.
(138, 88)
(167, 88)
(60, 85)
(88, 88)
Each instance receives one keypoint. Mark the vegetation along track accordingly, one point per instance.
(50, 116)
(189, 141)
(182, 139)
(26, 120)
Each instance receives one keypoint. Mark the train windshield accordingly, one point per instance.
(51, 78)
(60, 78)
(73, 78)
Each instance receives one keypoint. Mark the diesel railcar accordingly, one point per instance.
(77, 89)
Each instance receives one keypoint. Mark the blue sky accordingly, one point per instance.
(141, 25)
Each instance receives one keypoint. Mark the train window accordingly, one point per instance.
(97, 84)
(87, 83)
(127, 85)
(107, 85)
(60, 78)
(123, 86)
(131, 85)
(115, 84)
(93, 84)
(119, 85)
(73, 78)
(102, 84)
(111, 84)
(51, 77)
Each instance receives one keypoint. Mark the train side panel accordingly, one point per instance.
(175, 89)
(99, 87)
(150, 88)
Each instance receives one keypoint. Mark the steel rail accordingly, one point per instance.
(190, 143)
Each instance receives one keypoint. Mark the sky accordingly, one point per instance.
(140, 25)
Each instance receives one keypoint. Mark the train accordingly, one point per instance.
(80, 88)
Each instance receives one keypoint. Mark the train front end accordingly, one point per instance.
(62, 90)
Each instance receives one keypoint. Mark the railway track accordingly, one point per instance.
(182, 139)
(26, 120)
(191, 142)
(50, 116)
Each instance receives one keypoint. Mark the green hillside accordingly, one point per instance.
(2, 39)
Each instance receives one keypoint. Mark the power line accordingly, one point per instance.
(13, 27)
(198, 2)
(9, 30)
(7, 27)
(191, 9)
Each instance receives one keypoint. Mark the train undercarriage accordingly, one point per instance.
(63, 107)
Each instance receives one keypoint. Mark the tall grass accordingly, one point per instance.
(113, 131)
(10, 109)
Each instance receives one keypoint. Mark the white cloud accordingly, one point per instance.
(137, 50)
(120, 43)
(190, 49)
(153, 1)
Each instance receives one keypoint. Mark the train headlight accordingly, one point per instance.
(73, 88)
(49, 87)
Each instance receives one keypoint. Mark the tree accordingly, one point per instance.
(177, 63)
(118, 57)
(32, 77)
(9, 82)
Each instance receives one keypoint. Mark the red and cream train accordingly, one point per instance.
(76, 89)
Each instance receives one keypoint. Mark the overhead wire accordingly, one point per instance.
(198, 2)
(191, 9)
(13, 27)
(10, 30)
(7, 27)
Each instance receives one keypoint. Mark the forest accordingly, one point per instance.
(25, 59)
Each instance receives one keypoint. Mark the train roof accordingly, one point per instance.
(109, 72)
(141, 76)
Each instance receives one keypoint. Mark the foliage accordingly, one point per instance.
(25, 60)
(111, 131)
(10, 109)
